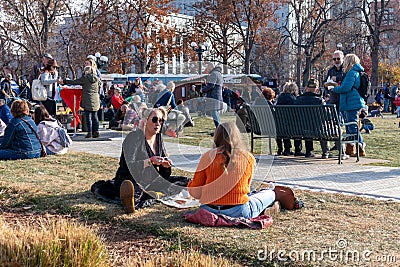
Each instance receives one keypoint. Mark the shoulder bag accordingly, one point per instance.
(39, 91)
(43, 152)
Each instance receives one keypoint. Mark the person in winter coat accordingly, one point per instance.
(311, 97)
(49, 79)
(90, 99)
(20, 141)
(288, 97)
(350, 100)
(165, 97)
(213, 90)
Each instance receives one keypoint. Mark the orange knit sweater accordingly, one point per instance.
(213, 184)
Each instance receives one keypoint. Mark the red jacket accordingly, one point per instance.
(396, 101)
(117, 101)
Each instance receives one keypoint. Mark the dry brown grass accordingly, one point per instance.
(50, 242)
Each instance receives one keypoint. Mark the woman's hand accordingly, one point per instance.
(166, 163)
(157, 160)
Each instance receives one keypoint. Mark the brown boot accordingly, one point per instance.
(350, 149)
(95, 134)
(126, 193)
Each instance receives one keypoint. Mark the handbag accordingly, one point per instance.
(286, 198)
(43, 151)
(39, 91)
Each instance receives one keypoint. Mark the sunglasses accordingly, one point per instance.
(156, 119)
(336, 58)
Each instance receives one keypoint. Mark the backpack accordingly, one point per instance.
(65, 140)
(364, 85)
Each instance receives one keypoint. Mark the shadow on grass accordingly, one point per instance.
(160, 222)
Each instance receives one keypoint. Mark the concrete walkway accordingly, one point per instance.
(296, 172)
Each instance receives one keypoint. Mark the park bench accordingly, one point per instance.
(315, 122)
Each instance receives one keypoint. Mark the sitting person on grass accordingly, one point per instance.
(119, 115)
(144, 171)
(20, 140)
(366, 124)
(177, 119)
(130, 120)
(48, 132)
(377, 112)
(223, 177)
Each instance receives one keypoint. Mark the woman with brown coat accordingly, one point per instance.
(90, 99)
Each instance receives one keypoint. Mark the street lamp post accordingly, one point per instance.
(101, 61)
(200, 49)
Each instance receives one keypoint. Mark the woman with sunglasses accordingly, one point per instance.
(144, 171)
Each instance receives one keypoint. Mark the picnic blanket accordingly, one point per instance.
(206, 218)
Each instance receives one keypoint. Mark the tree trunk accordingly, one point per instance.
(375, 61)
(246, 69)
(298, 66)
(307, 68)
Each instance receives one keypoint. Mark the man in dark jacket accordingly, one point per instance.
(5, 91)
(213, 89)
(311, 97)
(335, 73)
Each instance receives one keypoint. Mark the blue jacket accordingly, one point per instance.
(163, 97)
(5, 114)
(350, 99)
(19, 137)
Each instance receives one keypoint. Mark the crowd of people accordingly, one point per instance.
(340, 88)
(223, 176)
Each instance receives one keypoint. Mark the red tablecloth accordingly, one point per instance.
(67, 94)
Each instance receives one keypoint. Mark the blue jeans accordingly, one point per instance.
(9, 154)
(352, 116)
(386, 102)
(215, 116)
(368, 128)
(92, 121)
(49, 152)
(257, 203)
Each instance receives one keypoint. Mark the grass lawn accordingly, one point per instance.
(332, 230)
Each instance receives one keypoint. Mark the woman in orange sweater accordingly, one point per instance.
(223, 176)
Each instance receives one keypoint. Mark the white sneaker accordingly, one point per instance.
(344, 157)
